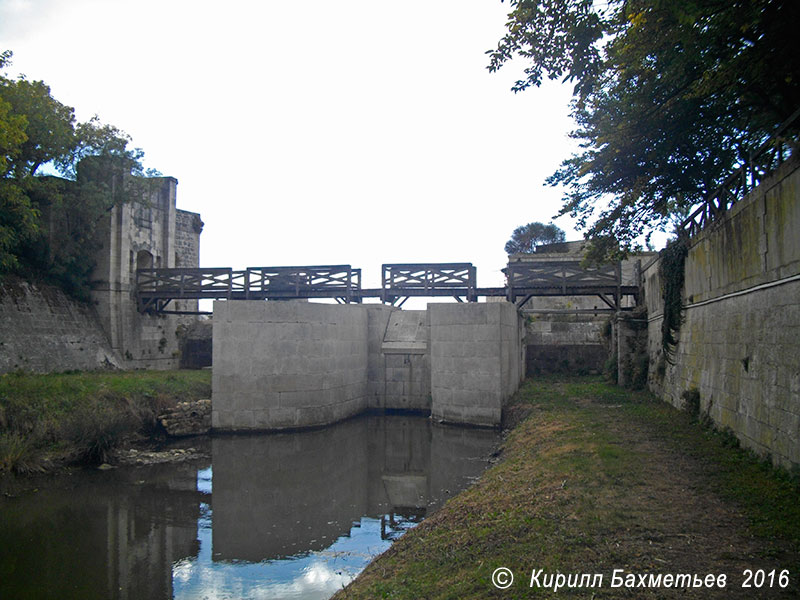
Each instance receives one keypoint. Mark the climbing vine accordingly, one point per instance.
(671, 269)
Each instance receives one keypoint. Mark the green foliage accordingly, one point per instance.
(671, 268)
(48, 226)
(669, 97)
(526, 238)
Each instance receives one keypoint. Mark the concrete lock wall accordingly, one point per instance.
(477, 359)
(280, 365)
(283, 365)
(740, 338)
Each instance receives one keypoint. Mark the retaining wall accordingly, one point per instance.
(740, 339)
(42, 330)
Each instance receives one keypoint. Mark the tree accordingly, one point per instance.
(526, 238)
(669, 97)
(96, 165)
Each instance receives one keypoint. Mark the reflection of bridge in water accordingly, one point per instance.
(156, 288)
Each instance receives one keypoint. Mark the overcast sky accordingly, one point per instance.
(314, 132)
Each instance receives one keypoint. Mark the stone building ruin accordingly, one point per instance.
(151, 234)
(44, 330)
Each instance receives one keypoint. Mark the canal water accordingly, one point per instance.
(295, 515)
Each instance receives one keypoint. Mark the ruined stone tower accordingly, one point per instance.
(148, 234)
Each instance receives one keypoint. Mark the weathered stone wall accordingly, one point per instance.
(377, 322)
(195, 343)
(42, 330)
(188, 227)
(740, 339)
(281, 365)
(144, 235)
(476, 360)
(559, 343)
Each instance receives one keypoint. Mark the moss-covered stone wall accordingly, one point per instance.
(739, 343)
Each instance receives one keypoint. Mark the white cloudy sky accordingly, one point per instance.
(314, 132)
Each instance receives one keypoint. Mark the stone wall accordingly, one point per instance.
(476, 360)
(42, 330)
(283, 365)
(558, 343)
(407, 368)
(150, 234)
(740, 339)
(188, 227)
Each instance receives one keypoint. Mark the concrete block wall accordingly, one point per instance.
(476, 360)
(740, 339)
(283, 365)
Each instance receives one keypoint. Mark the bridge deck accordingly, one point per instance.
(156, 288)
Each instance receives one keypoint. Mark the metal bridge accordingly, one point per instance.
(156, 288)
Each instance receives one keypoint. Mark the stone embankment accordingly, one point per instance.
(192, 417)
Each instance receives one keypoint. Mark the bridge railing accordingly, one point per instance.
(398, 279)
(155, 288)
(186, 283)
(561, 278)
(322, 281)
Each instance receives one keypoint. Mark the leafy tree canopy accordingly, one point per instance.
(526, 238)
(94, 159)
(669, 96)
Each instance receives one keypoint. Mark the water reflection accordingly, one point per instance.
(284, 516)
(100, 535)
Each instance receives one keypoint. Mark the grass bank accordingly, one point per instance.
(46, 420)
(597, 478)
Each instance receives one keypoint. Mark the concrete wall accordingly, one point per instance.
(281, 365)
(42, 330)
(476, 360)
(407, 365)
(740, 339)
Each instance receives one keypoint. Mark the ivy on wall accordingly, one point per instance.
(671, 267)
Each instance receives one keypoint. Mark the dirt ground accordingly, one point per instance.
(678, 523)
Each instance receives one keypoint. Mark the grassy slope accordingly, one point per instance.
(82, 415)
(599, 478)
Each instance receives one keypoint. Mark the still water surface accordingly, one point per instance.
(269, 516)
